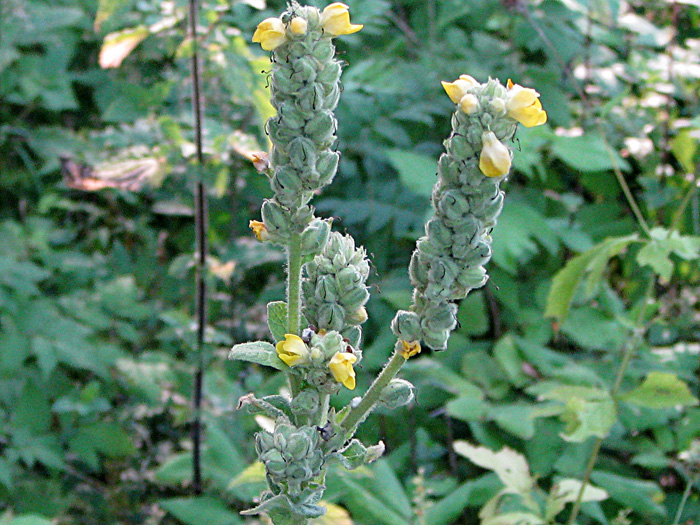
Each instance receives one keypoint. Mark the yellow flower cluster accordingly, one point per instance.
(335, 21)
(521, 104)
(293, 351)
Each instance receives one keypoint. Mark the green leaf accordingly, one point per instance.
(361, 501)
(28, 519)
(277, 319)
(260, 352)
(249, 483)
(468, 408)
(176, 470)
(591, 264)
(684, 145)
(661, 390)
(510, 466)
(472, 493)
(198, 510)
(598, 156)
(643, 497)
(514, 418)
(656, 252)
(471, 316)
(6, 473)
(586, 411)
(417, 172)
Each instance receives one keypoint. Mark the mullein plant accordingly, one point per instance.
(318, 328)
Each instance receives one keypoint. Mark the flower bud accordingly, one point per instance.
(315, 236)
(341, 368)
(357, 316)
(469, 104)
(298, 26)
(331, 316)
(495, 157)
(406, 325)
(270, 34)
(397, 393)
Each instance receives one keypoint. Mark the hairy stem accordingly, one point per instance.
(294, 298)
(626, 358)
(371, 397)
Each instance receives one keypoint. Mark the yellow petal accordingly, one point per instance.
(523, 104)
(292, 350)
(298, 25)
(335, 20)
(342, 370)
(259, 229)
(410, 348)
(460, 87)
(495, 157)
(270, 34)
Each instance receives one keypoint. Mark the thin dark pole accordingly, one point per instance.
(200, 224)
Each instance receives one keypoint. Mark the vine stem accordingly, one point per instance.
(201, 228)
(626, 358)
(294, 260)
(360, 411)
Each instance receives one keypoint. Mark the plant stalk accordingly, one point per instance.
(357, 414)
(626, 358)
(294, 260)
(201, 227)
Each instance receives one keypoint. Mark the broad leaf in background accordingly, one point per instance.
(661, 390)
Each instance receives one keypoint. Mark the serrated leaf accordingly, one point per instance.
(260, 352)
(510, 466)
(277, 319)
(661, 390)
(591, 264)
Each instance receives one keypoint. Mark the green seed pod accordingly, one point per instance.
(354, 297)
(287, 180)
(326, 290)
(436, 340)
(473, 277)
(302, 153)
(440, 316)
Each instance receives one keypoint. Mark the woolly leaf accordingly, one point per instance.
(260, 352)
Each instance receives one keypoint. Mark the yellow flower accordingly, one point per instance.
(460, 87)
(335, 20)
(495, 157)
(270, 33)
(298, 25)
(259, 229)
(293, 351)
(341, 368)
(410, 348)
(523, 104)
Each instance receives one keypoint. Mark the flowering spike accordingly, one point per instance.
(293, 351)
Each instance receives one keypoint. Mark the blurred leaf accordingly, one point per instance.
(117, 46)
(417, 172)
(661, 390)
(472, 316)
(655, 252)
(598, 156)
(589, 265)
(510, 466)
(201, 509)
(641, 496)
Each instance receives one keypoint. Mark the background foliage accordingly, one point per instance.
(96, 288)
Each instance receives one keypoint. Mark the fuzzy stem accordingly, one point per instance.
(626, 358)
(294, 298)
(369, 400)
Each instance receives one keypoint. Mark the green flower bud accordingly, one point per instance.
(326, 290)
(406, 325)
(306, 402)
(331, 316)
(397, 393)
(440, 316)
(315, 236)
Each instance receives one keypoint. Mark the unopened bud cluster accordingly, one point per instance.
(449, 260)
(334, 288)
